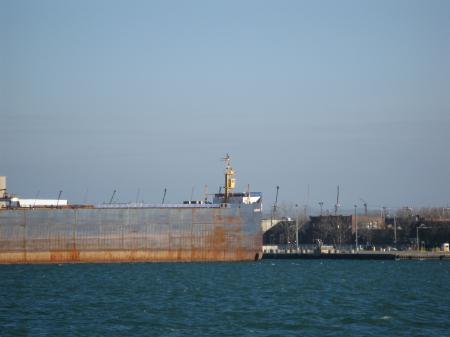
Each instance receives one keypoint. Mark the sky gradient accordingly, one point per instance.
(147, 95)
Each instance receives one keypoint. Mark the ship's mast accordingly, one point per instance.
(229, 180)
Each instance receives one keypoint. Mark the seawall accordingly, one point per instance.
(402, 255)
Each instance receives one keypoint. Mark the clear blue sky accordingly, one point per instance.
(128, 95)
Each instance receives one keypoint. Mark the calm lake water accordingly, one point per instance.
(268, 298)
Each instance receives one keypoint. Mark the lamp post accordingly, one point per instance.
(356, 229)
(395, 231)
(422, 226)
(296, 227)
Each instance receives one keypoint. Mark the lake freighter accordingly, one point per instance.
(226, 229)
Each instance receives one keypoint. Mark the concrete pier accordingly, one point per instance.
(364, 255)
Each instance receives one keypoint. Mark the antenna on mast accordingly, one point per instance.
(230, 182)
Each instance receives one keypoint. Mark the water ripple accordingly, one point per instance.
(268, 298)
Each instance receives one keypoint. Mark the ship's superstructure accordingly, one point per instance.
(228, 229)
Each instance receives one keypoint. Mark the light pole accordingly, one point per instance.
(321, 207)
(356, 229)
(422, 226)
(296, 227)
(395, 231)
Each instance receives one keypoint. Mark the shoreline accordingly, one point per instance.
(399, 255)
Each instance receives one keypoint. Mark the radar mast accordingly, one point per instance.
(230, 182)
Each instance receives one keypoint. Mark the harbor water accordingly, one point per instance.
(266, 298)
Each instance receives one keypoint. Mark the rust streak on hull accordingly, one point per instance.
(124, 256)
(129, 235)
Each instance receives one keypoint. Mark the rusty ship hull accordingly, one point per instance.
(131, 234)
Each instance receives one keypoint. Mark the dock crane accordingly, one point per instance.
(59, 197)
(274, 207)
(112, 197)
